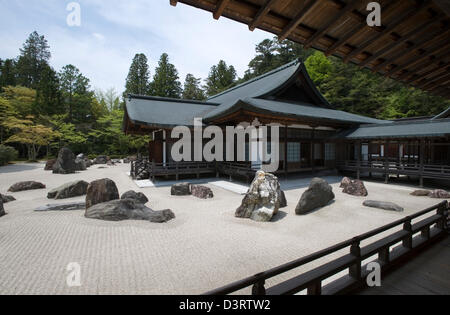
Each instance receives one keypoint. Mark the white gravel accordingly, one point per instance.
(203, 248)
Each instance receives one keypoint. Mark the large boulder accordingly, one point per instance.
(421, 193)
(439, 194)
(137, 196)
(319, 194)
(262, 200)
(100, 191)
(181, 189)
(2, 209)
(384, 205)
(127, 209)
(202, 192)
(23, 186)
(355, 188)
(88, 163)
(6, 198)
(101, 159)
(49, 165)
(65, 164)
(69, 190)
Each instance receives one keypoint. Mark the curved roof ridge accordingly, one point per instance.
(444, 114)
(170, 99)
(281, 68)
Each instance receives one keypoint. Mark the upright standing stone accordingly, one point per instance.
(65, 164)
(2, 210)
(262, 200)
(319, 194)
(100, 191)
(355, 188)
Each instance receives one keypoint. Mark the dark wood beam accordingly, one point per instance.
(417, 59)
(402, 18)
(417, 31)
(220, 8)
(415, 47)
(265, 9)
(311, 4)
(425, 83)
(433, 71)
(359, 27)
(437, 60)
(321, 32)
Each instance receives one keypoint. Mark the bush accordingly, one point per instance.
(7, 154)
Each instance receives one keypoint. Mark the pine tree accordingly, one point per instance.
(138, 78)
(7, 73)
(48, 96)
(34, 56)
(192, 89)
(166, 81)
(220, 78)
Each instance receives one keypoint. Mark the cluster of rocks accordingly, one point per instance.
(438, 193)
(263, 199)
(186, 189)
(353, 187)
(103, 203)
(68, 163)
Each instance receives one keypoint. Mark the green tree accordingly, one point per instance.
(48, 96)
(138, 79)
(166, 81)
(109, 98)
(34, 56)
(75, 92)
(220, 78)
(192, 89)
(319, 67)
(7, 73)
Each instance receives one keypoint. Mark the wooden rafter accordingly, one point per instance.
(319, 33)
(416, 60)
(361, 26)
(436, 60)
(311, 4)
(413, 11)
(434, 71)
(265, 9)
(425, 83)
(220, 8)
(415, 47)
(418, 30)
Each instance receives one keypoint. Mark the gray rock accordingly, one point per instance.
(345, 182)
(384, 205)
(181, 189)
(355, 188)
(65, 164)
(262, 200)
(127, 209)
(23, 186)
(100, 191)
(319, 194)
(202, 192)
(63, 207)
(69, 190)
(116, 161)
(283, 200)
(421, 193)
(88, 163)
(101, 159)
(81, 164)
(126, 161)
(439, 194)
(137, 196)
(2, 209)
(6, 198)
(49, 165)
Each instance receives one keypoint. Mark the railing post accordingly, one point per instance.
(258, 288)
(355, 250)
(407, 241)
(443, 212)
(315, 289)
(384, 255)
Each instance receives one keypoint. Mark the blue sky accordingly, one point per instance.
(113, 31)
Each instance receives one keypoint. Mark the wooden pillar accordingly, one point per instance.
(370, 159)
(421, 160)
(286, 150)
(358, 159)
(312, 151)
(386, 162)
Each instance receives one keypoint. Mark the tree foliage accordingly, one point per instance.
(138, 79)
(220, 78)
(166, 80)
(192, 89)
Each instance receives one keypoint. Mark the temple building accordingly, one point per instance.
(314, 136)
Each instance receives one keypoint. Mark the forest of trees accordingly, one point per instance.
(43, 109)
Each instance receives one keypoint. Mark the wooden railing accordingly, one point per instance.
(430, 229)
(139, 167)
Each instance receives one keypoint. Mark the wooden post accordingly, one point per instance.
(355, 250)
(312, 151)
(407, 241)
(286, 151)
(384, 255)
(177, 173)
(421, 160)
(386, 162)
(258, 288)
(358, 159)
(443, 212)
(315, 289)
(370, 159)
